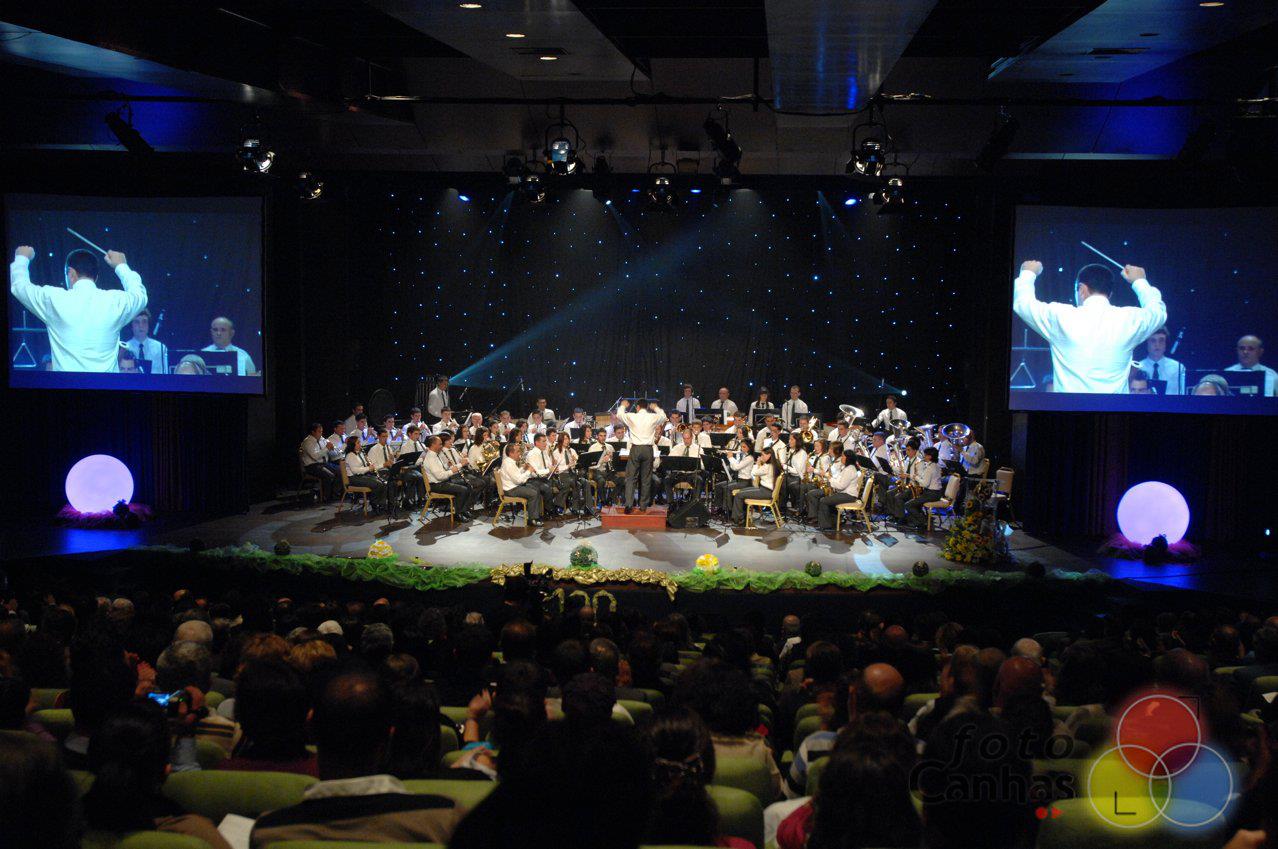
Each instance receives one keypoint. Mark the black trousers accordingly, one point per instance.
(376, 484)
(327, 474)
(825, 509)
(413, 484)
(723, 492)
(534, 499)
(739, 500)
(463, 495)
(639, 469)
(915, 505)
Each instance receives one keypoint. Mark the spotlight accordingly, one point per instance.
(514, 168)
(851, 201)
(726, 168)
(464, 198)
(1000, 141)
(309, 186)
(661, 186)
(694, 191)
(891, 196)
(602, 181)
(124, 131)
(253, 153)
(727, 172)
(532, 189)
(560, 153)
(867, 159)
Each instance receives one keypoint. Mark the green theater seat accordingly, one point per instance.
(216, 793)
(740, 814)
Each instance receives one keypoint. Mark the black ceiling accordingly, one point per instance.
(671, 29)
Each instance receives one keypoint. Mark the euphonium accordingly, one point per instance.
(489, 451)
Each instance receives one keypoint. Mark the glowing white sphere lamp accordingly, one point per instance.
(1151, 509)
(97, 482)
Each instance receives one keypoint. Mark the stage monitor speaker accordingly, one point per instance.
(692, 514)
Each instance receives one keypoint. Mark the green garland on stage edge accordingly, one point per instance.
(412, 574)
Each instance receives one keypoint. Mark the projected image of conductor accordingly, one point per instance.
(1091, 339)
(82, 319)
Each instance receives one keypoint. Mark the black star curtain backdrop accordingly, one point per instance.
(587, 301)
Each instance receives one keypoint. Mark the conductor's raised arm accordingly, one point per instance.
(135, 293)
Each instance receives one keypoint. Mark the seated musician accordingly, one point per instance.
(879, 455)
(843, 435)
(393, 434)
(845, 486)
(536, 425)
(337, 442)
(446, 422)
(946, 452)
(506, 424)
(928, 478)
(766, 471)
(514, 480)
(479, 485)
(575, 427)
(586, 437)
(312, 454)
(360, 473)
(674, 421)
(496, 432)
(901, 491)
(547, 415)
(520, 433)
(381, 455)
(796, 469)
(776, 440)
(599, 469)
(415, 418)
(411, 475)
(687, 447)
(818, 469)
(700, 435)
(445, 477)
(367, 435)
(543, 478)
(563, 459)
(972, 453)
(474, 424)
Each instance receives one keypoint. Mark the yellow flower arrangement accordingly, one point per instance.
(708, 563)
(381, 549)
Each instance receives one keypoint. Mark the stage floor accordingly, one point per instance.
(319, 530)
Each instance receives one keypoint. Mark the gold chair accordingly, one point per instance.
(503, 499)
(859, 506)
(946, 502)
(774, 504)
(432, 497)
(347, 489)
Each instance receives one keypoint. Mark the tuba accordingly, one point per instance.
(956, 432)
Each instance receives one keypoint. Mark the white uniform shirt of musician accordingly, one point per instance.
(222, 331)
(575, 426)
(539, 458)
(644, 426)
(83, 321)
(435, 465)
(972, 455)
(446, 422)
(413, 447)
(793, 408)
(1158, 366)
(686, 447)
(688, 404)
(357, 464)
(1250, 350)
(476, 457)
(742, 464)
(474, 424)
(890, 413)
(547, 414)
(437, 400)
(1091, 343)
(513, 473)
(797, 463)
(144, 347)
(703, 439)
(945, 450)
(847, 481)
(843, 436)
(313, 450)
(337, 441)
(380, 455)
(879, 452)
(927, 474)
(505, 423)
(725, 405)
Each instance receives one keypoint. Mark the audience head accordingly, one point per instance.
(37, 795)
(864, 797)
(721, 695)
(351, 725)
(415, 746)
(184, 664)
(588, 699)
(271, 705)
(129, 757)
(684, 763)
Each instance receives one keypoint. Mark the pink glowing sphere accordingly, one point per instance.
(1151, 509)
(97, 482)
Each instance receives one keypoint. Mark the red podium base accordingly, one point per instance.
(652, 520)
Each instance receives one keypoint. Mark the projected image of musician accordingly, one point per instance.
(1091, 340)
(83, 321)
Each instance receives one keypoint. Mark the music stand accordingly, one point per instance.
(1245, 383)
(220, 362)
(720, 439)
(762, 413)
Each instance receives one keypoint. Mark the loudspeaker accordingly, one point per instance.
(691, 514)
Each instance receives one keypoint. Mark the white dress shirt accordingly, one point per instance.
(566, 460)
(421, 425)
(436, 401)
(928, 475)
(848, 441)
(435, 468)
(791, 410)
(1091, 344)
(847, 481)
(888, 415)
(880, 453)
(946, 452)
(1168, 370)
(381, 456)
(153, 351)
(797, 463)
(440, 426)
(642, 425)
(243, 362)
(1271, 376)
(513, 473)
(767, 476)
(547, 415)
(742, 464)
(703, 439)
(727, 408)
(338, 443)
(411, 447)
(682, 450)
(972, 455)
(84, 321)
(357, 465)
(755, 405)
(540, 460)
(688, 406)
(476, 455)
(312, 450)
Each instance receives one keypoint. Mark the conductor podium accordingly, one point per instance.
(654, 519)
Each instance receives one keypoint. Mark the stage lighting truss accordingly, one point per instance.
(727, 152)
(660, 187)
(872, 146)
(254, 155)
(563, 144)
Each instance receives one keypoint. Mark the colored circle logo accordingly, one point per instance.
(1159, 769)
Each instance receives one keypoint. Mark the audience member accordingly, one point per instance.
(37, 796)
(271, 711)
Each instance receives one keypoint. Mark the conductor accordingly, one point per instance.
(84, 321)
(644, 425)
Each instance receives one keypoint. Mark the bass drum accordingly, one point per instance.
(381, 405)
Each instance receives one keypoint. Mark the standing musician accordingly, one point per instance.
(446, 422)
(766, 470)
(903, 490)
(546, 414)
(688, 405)
(445, 477)
(644, 425)
(470, 476)
(928, 479)
(412, 474)
(845, 486)
(761, 404)
(890, 413)
(575, 427)
(792, 408)
(515, 475)
(726, 406)
(687, 447)
(796, 469)
(360, 473)
(312, 454)
(438, 398)
(543, 472)
(563, 458)
(741, 464)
